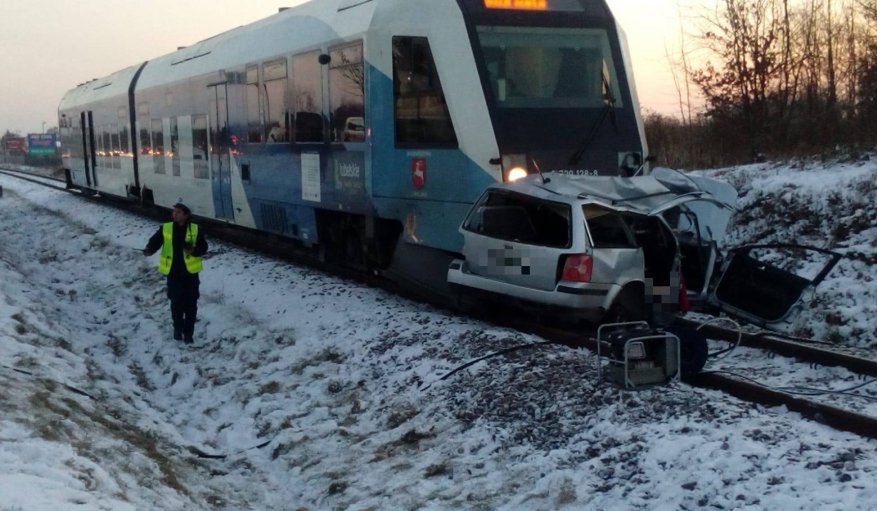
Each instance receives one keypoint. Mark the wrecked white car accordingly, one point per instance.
(618, 249)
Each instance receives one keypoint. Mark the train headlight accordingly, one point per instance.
(517, 174)
(514, 167)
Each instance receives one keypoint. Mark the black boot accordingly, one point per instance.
(178, 334)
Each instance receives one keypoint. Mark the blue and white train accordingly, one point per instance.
(361, 126)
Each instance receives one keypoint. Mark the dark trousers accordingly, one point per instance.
(184, 293)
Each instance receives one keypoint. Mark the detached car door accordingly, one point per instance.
(763, 284)
(517, 239)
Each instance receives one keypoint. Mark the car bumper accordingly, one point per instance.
(591, 298)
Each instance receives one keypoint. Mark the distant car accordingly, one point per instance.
(618, 249)
(354, 130)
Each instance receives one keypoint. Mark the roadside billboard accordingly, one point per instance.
(41, 144)
(14, 145)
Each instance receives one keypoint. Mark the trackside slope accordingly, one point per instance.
(827, 204)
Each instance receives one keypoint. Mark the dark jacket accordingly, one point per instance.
(178, 267)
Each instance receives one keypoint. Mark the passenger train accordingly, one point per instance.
(362, 127)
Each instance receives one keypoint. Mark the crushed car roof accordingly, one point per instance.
(642, 194)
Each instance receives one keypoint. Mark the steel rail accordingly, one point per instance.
(837, 418)
(33, 178)
(798, 350)
(4, 166)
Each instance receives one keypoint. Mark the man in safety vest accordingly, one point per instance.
(182, 245)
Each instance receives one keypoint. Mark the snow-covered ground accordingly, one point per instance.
(329, 377)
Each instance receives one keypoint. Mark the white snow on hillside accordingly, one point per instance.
(828, 205)
(329, 374)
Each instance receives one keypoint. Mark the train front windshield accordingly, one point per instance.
(549, 68)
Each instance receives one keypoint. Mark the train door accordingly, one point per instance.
(86, 151)
(92, 149)
(220, 161)
(347, 125)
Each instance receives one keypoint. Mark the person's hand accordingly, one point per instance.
(146, 253)
(188, 248)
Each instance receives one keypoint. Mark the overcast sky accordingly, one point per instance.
(50, 46)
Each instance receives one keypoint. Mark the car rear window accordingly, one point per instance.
(515, 217)
(608, 228)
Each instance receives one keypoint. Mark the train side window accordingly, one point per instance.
(158, 146)
(124, 135)
(175, 147)
(143, 136)
(98, 148)
(64, 137)
(71, 139)
(99, 143)
(307, 97)
(76, 141)
(275, 82)
(421, 112)
(347, 93)
(116, 147)
(254, 107)
(200, 146)
(107, 146)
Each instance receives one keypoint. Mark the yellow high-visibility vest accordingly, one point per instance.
(193, 264)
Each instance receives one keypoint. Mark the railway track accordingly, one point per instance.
(836, 417)
(803, 350)
(50, 182)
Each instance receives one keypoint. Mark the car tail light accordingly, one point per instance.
(578, 268)
(684, 302)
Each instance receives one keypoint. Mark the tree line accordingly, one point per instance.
(778, 78)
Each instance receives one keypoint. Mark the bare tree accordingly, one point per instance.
(745, 37)
(866, 73)
(785, 76)
(832, 77)
(682, 67)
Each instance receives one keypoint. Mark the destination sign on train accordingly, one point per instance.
(536, 5)
(524, 5)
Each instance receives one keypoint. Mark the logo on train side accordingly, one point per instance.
(349, 170)
(349, 182)
(418, 172)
